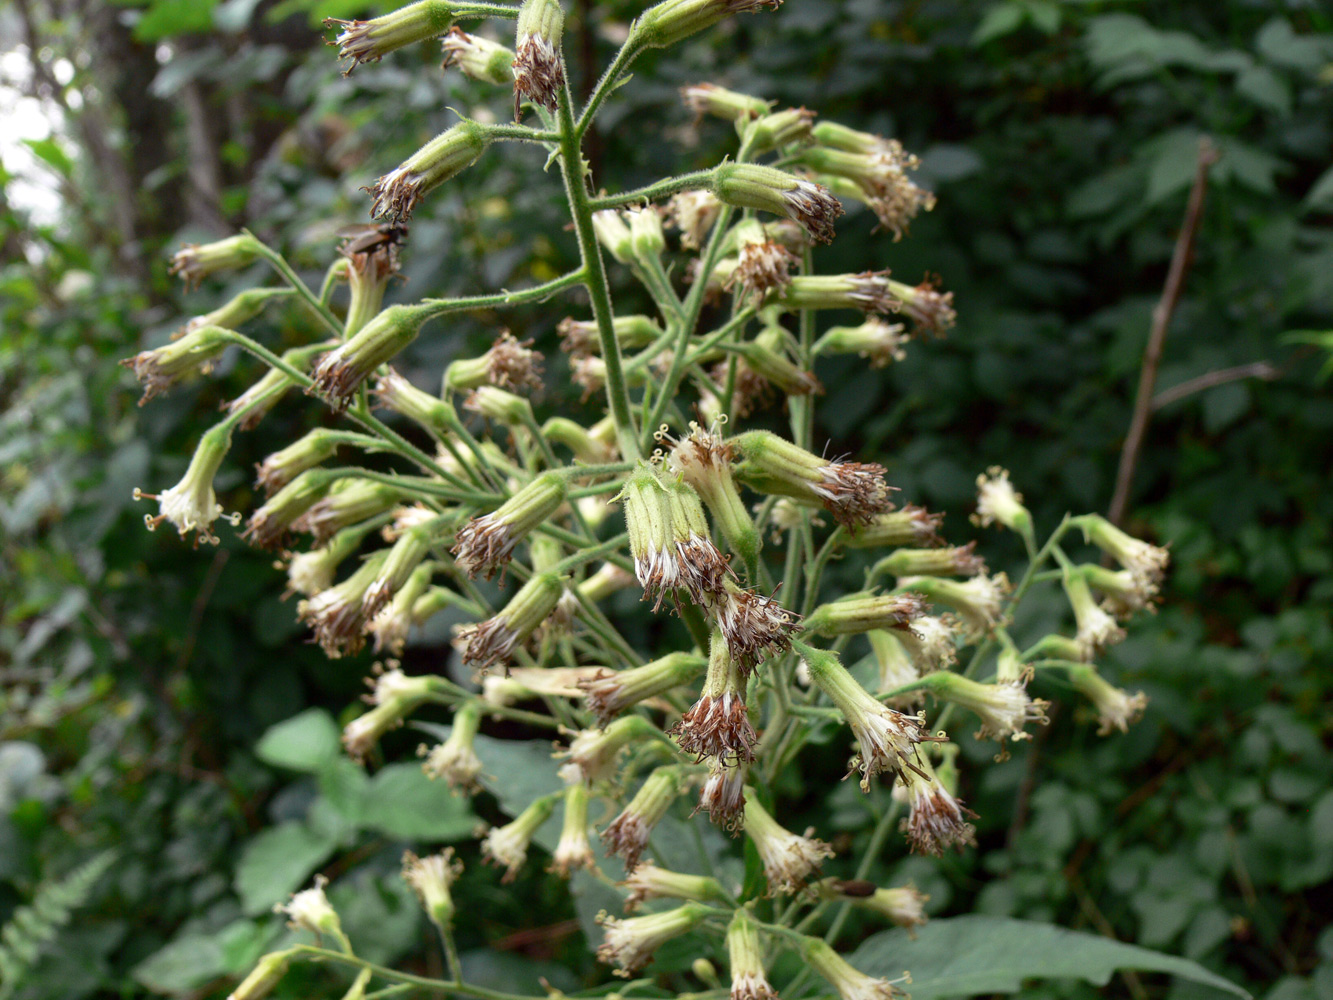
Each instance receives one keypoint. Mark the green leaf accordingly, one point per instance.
(1002, 19)
(1320, 195)
(1266, 89)
(402, 802)
(166, 18)
(183, 965)
(50, 153)
(966, 956)
(1174, 164)
(277, 863)
(307, 742)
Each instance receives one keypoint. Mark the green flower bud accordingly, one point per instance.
(627, 835)
(478, 58)
(161, 368)
(789, 860)
(867, 291)
(539, 67)
(858, 613)
(191, 505)
(306, 452)
(766, 189)
(493, 641)
(398, 192)
(369, 41)
(486, 543)
(629, 944)
(889, 740)
(672, 21)
(430, 878)
(853, 492)
(340, 373)
(194, 262)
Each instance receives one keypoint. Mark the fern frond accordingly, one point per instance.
(33, 926)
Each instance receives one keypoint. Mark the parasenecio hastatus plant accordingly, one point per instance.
(729, 529)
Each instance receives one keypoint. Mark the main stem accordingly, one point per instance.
(594, 277)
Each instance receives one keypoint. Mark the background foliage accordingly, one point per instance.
(162, 702)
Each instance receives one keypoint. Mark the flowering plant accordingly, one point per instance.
(729, 530)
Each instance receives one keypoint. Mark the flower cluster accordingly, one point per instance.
(395, 516)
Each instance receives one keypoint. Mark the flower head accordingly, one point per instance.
(608, 693)
(671, 21)
(718, 725)
(593, 753)
(931, 310)
(486, 543)
(369, 41)
(339, 373)
(937, 820)
(1116, 708)
(766, 189)
(979, 601)
(397, 194)
(888, 739)
(862, 612)
(539, 68)
(755, 627)
(867, 291)
(723, 796)
(394, 696)
(430, 877)
(574, 851)
(191, 505)
(999, 503)
(913, 525)
(478, 58)
(650, 882)
(310, 910)
(508, 364)
(627, 835)
(494, 640)
(876, 340)
(629, 943)
(850, 983)
(194, 262)
(669, 539)
(161, 368)
(1141, 558)
(508, 845)
(455, 760)
(1004, 707)
(748, 981)
(694, 213)
(1096, 628)
(853, 492)
(729, 105)
(790, 861)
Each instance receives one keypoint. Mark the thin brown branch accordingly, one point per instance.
(1181, 258)
(1265, 370)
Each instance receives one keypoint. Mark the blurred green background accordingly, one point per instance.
(1061, 138)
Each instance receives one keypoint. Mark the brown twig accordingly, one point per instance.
(1161, 320)
(1265, 370)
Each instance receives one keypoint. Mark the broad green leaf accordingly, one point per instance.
(1175, 160)
(1266, 89)
(402, 802)
(966, 956)
(50, 153)
(305, 742)
(1002, 19)
(277, 862)
(166, 18)
(1320, 195)
(183, 965)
